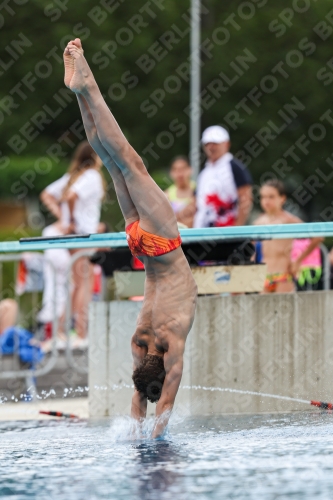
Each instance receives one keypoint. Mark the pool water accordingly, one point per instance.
(237, 457)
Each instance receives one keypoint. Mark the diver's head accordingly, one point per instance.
(148, 378)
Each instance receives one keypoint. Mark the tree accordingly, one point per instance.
(266, 75)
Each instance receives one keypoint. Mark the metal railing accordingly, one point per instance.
(37, 372)
(32, 372)
(28, 374)
(326, 266)
(68, 316)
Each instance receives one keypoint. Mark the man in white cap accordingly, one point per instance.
(224, 187)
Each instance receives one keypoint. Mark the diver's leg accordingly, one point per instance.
(126, 204)
(156, 214)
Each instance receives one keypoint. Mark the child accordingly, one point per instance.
(277, 253)
(181, 193)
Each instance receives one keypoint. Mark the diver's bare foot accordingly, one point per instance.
(77, 71)
(69, 67)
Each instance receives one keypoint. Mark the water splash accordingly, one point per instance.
(238, 391)
(116, 387)
(126, 428)
(70, 391)
(32, 394)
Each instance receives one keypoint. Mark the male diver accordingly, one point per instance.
(170, 291)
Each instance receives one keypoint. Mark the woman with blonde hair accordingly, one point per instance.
(75, 200)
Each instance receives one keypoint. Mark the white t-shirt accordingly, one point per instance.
(87, 208)
(216, 194)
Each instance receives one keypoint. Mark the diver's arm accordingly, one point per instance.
(174, 369)
(139, 402)
(139, 406)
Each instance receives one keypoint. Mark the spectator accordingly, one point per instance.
(55, 268)
(75, 199)
(224, 192)
(17, 340)
(97, 289)
(277, 254)
(181, 193)
(310, 275)
(8, 314)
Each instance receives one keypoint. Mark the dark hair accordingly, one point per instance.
(278, 185)
(180, 158)
(148, 378)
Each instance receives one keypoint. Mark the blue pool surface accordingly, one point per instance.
(237, 457)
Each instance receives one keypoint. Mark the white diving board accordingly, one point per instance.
(206, 235)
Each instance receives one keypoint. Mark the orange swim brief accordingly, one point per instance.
(141, 242)
(273, 279)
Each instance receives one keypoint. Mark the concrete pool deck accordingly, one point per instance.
(30, 411)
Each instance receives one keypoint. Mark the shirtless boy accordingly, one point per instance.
(277, 253)
(152, 233)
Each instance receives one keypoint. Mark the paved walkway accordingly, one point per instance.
(30, 411)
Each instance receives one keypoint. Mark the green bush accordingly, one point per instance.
(245, 46)
(27, 176)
